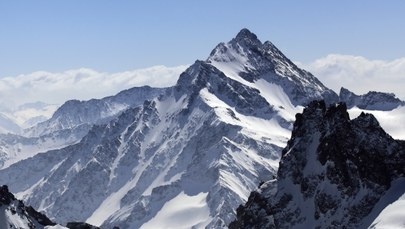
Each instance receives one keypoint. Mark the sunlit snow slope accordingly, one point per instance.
(68, 125)
(15, 215)
(206, 143)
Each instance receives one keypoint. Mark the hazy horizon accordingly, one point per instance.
(55, 48)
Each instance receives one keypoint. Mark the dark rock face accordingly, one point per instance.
(257, 215)
(245, 99)
(371, 101)
(80, 225)
(332, 173)
(26, 213)
(5, 196)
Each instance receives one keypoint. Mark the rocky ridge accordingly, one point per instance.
(15, 214)
(70, 123)
(334, 172)
(371, 101)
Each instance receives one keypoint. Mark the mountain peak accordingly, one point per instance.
(372, 100)
(247, 58)
(237, 48)
(247, 39)
(245, 34)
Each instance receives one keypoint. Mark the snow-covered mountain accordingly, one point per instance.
(70, 123)
(389, 110)
(24, 116)
(15, 215)
(29, 114)
(334, 172)
(189, 155)
(371, 101)
(186, 158)
(8, 125)
(75, 113)
(246, 59)
(15, 147)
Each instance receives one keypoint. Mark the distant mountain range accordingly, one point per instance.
(188, 155)
(27, 115)
(371, 101)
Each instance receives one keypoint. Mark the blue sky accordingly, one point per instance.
(113, 36)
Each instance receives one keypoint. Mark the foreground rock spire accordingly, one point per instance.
(334, 172)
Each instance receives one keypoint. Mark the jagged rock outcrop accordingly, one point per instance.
(15, 214)
(334, 172)
(80, 225)
(371, 101)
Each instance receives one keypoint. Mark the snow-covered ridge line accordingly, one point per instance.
(334, 172)
(74, 112)
(70, 123)
(371, 101)
(20, 94)
(15, 214)
(209, 140)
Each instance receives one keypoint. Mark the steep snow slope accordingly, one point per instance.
(14, 148)
(393, 215)
(246, 59)
(209, 141)
(149, 155)
(181, 212)
(8, 125)
(69, 124)
(334, 172)
(14, 214)
(75, 113)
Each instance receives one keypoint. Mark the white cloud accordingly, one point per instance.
(83, 84)
(391, 121)
(353, 72)
(359, 74)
